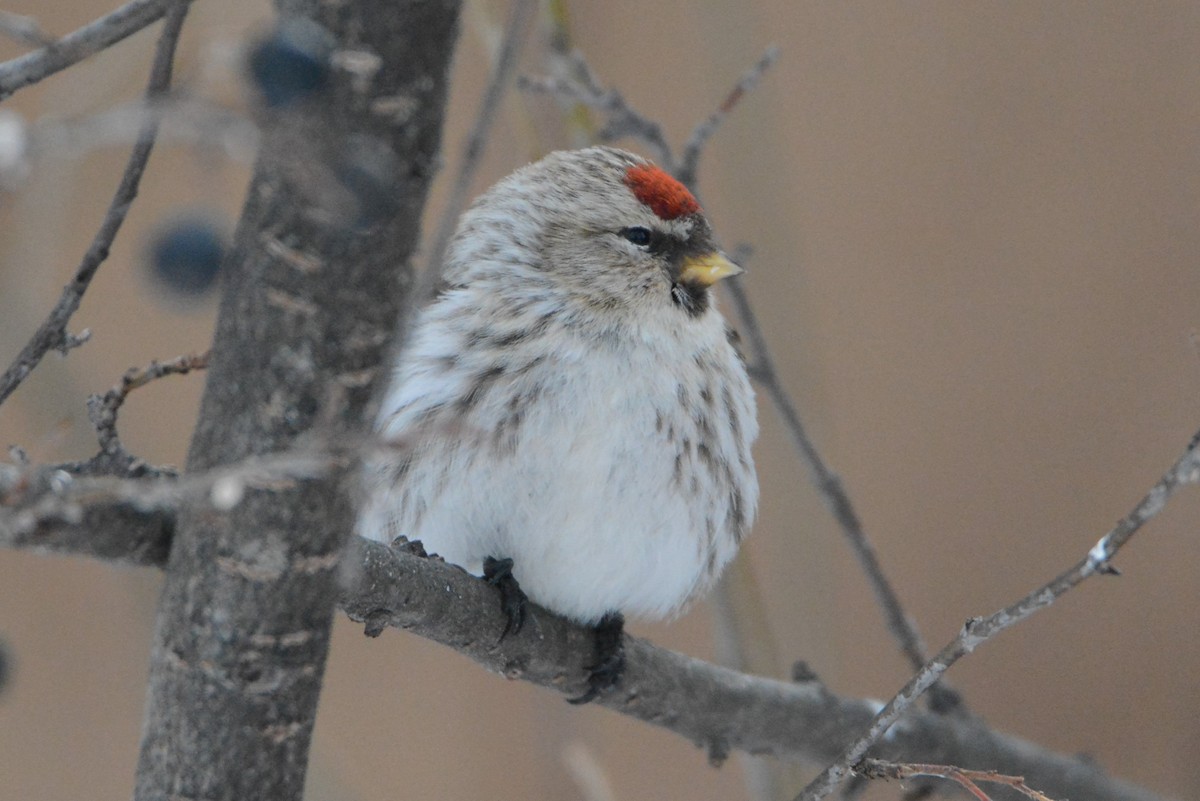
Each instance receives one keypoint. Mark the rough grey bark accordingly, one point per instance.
(52, 334)
(311, 298)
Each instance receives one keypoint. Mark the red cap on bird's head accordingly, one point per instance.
(665, 196)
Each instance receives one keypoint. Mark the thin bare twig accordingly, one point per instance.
(762, 369)
(694, 147)
(502, 71)
(113, 459)
(78, 45)
(977, 631)
(621, 119)
(562, 60)
(968, 779)
(52, 334)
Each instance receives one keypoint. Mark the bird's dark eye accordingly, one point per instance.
(637, 235)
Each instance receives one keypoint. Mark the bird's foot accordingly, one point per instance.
(498, 573)
(605, 672)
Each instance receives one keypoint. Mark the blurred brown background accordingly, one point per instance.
(976, 258)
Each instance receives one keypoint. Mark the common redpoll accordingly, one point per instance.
(569, 411)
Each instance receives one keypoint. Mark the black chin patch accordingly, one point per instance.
(691, 297)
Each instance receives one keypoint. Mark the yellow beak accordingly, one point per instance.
(708, 269)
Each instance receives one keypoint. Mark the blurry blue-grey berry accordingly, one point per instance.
(291, 62)
(369, 169)
(185, 256)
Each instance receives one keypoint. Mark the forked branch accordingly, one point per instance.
(969, 780)
(977, 631)
(52, 333)
(78, 45)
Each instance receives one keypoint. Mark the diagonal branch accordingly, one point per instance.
(501, 75)
(78, 45)
(52, 333)
(686, 172)
(977, 631)
(763, 370)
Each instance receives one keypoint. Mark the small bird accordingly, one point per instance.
(570, 416)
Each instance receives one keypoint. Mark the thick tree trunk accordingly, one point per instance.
(312, 294)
